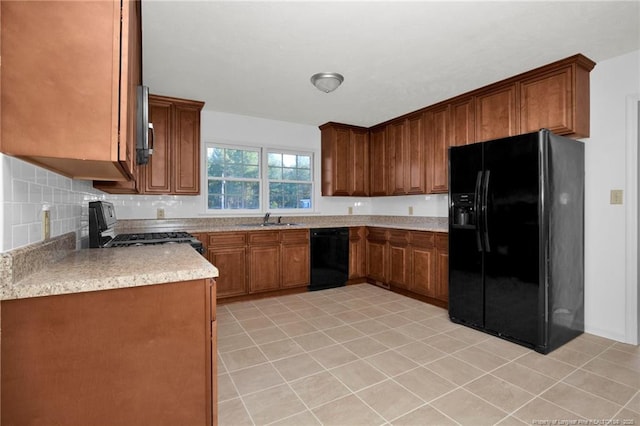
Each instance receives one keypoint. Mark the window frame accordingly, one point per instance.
(263, 181)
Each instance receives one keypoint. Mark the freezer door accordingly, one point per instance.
(514, 297)
(466, 295)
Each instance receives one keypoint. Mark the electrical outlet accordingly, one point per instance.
(410, 210)
(350, 210)
(160, 213)
(616, 196)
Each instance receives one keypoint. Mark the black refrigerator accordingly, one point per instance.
(516, 238)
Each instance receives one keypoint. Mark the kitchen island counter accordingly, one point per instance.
(110, 268)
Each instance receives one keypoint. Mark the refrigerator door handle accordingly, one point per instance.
(485, 202)
(476, 208)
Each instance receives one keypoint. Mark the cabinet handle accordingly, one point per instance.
(153, 135)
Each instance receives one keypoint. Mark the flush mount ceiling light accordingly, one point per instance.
(327, 81)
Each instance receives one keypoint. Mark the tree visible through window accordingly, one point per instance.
(235, 177)
(290, 180)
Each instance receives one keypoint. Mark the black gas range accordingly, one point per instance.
(102, 221)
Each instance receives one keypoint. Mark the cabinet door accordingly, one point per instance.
(442, 267)
(377, 252)
(357, 248)
(546, 102)
(65, 85)
(264, 268)
(335, 160)
(399, 258)
(231, 264)
(462, 122)
(185, 151)
(359, 163)
(496, 114)
(396, 157)
(155, 176)
(439, 134)
(422, 268)
(416, 158)
(295, 264)
(378, 162)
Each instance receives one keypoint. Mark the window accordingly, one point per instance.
(233, 178)
(290, 180)
(240, 178)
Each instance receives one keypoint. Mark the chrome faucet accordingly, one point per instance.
(266, 218)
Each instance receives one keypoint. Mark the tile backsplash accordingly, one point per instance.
(26, 189)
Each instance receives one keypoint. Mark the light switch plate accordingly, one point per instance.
(160, 213)
(616, 196)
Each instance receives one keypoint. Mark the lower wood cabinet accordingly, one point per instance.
(415, 261)
(377, 255)
(264, 261)
(130, 356)
(357, 253)
(227, 251)
(295, 256)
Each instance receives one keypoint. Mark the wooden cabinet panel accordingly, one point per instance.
(377, 254)
(357, 255)
(231, 264)
(174, 166)
(415, 156)
(396, 157)
(295, 255)
(112, 356)
(335, 160)
(156, 175)
(359, 162)
(462, 119)
(295, 264)
(186, 146)
(442, 267)
(264, 268)
(65, 63)
(378, 162)
(422, 271)
(344, 160)
(439, 141)
(399, 258)
(546, 102)
(496, 113)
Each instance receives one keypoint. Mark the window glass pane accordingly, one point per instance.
(274, 159)
(289, 160)
(234, 178)
(304, 174)
(304, 161)
(275, 173)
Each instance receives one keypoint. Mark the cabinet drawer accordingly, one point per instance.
(218, 239)
(442, 241)
(264, 237)
(422, 239)
(399, 237)
(299, 235)
(376, 234)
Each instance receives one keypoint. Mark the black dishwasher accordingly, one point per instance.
(329, 257)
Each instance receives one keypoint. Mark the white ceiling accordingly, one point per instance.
(256, 58)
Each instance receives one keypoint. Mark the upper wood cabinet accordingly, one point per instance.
(379, 182)
(406, 156)
(557, 99)
(409, 154)
(69, 73)
(345, 160)
(496, 113)
(438, 141)
(174, 166)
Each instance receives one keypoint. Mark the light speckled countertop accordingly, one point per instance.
(103, 269)
(232, 224)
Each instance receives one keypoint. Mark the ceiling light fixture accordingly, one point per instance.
(327, 81)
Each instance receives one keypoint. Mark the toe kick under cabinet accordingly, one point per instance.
(129, 356)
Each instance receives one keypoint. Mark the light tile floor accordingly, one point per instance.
(361, 355)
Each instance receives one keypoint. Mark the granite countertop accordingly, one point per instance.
(103, 269)
(292, 222)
